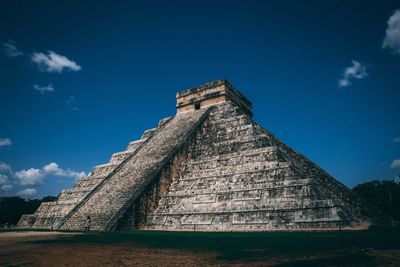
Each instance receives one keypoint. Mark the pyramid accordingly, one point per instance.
(208, 168)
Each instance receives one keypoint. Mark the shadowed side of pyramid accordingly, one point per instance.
(239, 177)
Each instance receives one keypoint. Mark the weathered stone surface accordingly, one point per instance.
(209, 168)
(238, 176)
(209, 94)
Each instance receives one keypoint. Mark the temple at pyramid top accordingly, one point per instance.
(209, 94)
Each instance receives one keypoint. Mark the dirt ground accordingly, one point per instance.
(17, 249)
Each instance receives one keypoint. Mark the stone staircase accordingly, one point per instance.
(50, 215)
(108, 202)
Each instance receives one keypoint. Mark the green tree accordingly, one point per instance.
(385, 195)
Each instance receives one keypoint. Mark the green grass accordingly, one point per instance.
(253, 246)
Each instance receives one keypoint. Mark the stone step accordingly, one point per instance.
(261, 176)
(221, 188)
(162, 122)
(135, 144)
(288, 218)
(118, 157)
(245, 206)
(230, 146)
(248, 153)
(246, 168)
(148, 133)
(260, 158)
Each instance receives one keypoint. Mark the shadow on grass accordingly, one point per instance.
(254, 246)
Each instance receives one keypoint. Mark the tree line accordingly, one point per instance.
(384, 195)
(12, 208)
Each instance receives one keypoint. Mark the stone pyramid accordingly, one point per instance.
(208, 168)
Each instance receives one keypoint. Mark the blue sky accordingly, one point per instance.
(78, 81)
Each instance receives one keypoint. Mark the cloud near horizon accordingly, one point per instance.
(53, 169)
(3, 179)
(53, 62)
(27, 193)
(30, 176)
(395, 163)
(356, 71)
(6, 187)
(5, 183)
(392, 36)
(35, 176)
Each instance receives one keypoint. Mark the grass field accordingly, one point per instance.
(374, 247)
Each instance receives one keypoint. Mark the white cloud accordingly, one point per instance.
(5, 142)
(53, 62)
(344, 82)
(6, 187)
(53, 169)
(395, 163)
(78, 175)
(44, 89)
(3, 179)
(29, 177)
(29, 192)
(4, 167)
(396, 140)
(356, 71)
(11, 50)
(35, 176)
(392, 37)
(5, 183)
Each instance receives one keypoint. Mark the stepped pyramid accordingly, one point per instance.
(208, 168)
